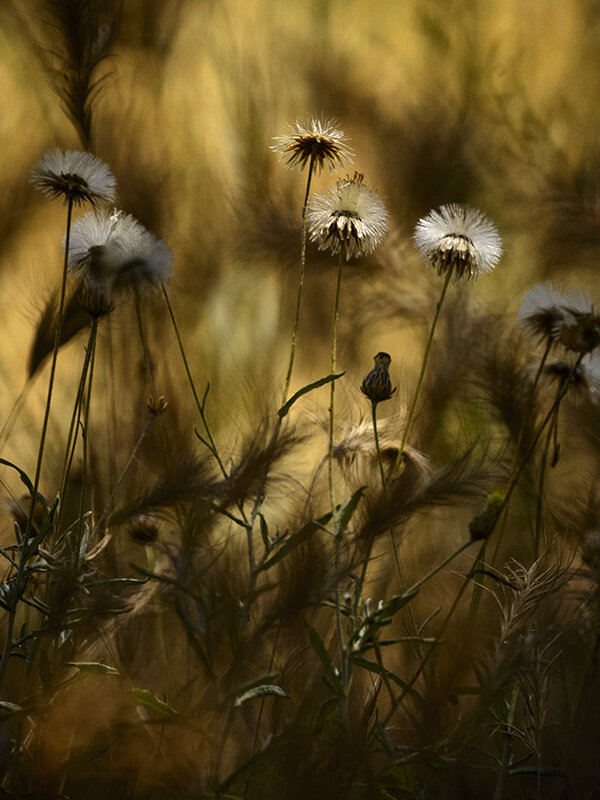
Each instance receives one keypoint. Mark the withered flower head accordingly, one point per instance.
(74, 175)
(350, 217)
(321, 141)
(584, 380)
(377, 385)
(114, 253)
(567, 319)
(458, 238)
(144, 528)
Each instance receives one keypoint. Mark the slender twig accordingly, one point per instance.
(288, 376)
(57, 338)
(415, 399)
(86, 428)
(336, 310)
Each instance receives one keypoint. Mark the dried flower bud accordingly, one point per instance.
(482, 526)
(156, 407)
(377, 385)
(144, 528)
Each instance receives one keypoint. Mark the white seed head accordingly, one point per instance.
(566, 318)
(323, 142)
(458, 238)
(114, 253)
(350, 217)
(74, 175)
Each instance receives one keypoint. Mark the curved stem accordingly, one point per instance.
(336, 310)
(415, 400)
(57, 338)
(199, 404)
(288, 377)
(86, 423)
(530, 399)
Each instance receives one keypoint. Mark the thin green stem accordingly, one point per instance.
(415, 399)
(199, 404)
(288, 377)
(336, 311)
(86, 427)
(72, 436)
(530, 401)
(377, 448)
(453, 608)
(57, 338)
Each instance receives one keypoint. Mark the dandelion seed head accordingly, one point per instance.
(584, 381)
(74, 175)
(458, 238)
(323, 141)
(349, 216)
(115, 254)
(569, 319)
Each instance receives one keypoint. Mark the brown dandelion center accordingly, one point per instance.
(345, 225)
(583, 335)
(454, 251)
(73, 181)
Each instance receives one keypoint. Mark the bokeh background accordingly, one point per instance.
(494, 103)
(488, 103)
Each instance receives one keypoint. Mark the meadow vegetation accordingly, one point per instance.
(300, 409)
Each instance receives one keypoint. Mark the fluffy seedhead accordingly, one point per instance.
(322, 142)
(350, 218)
(553, 316)
(460, 239)
(75, 176)
(115, 254)
(583, 378)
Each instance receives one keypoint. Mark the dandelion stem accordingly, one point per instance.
(415, 400)
(72, 436)
(57, 338)
(529, 408)
(200, 405)
(86, 424)
(336, 309)
(288, 377)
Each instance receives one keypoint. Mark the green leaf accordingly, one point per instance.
(347, 509)
(268, 678)
(296, 539)
(144, 697)
(94, 667)
(9, 709)
(305, 389)
(26, 480)
(265, 690)
(329, 672)
(371, 666)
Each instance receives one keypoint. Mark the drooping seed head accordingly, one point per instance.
(115, 254)
(74, 175)
(569, 319)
